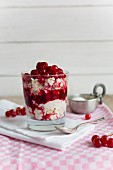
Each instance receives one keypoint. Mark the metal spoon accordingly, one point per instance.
(72, 130)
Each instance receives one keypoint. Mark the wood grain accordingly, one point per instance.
(77, 58)
(75, 35)
(43, 3)
(56, 25)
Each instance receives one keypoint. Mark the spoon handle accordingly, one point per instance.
(93, 122)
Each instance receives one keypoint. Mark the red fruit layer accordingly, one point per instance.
(44, 97)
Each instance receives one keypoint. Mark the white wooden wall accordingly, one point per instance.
(75, 34)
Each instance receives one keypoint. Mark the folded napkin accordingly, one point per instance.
(16, 127)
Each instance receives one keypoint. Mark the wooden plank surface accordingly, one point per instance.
(56, 25)
(43, 3)
(108, 100)
(75, 35)
(78, 58)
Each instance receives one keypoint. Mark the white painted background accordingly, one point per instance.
(75, 34)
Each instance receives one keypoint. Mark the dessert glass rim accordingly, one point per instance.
(24, 74)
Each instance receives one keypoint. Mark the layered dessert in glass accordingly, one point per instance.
(45, 93)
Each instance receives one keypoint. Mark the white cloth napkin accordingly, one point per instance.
(16, 128)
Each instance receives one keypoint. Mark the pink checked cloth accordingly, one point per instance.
(16, 127)
(81, 155)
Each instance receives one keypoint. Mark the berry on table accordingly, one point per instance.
(10, 113)
(23, 111)
(97, 142)
(110, 143)
(18, 111)
(7, 113)
(87, 116)
(13, 113)
(94, 137)
(104, 140)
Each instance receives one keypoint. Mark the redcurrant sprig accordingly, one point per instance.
(17, 111)
(104, 140)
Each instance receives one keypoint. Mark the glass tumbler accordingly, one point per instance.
(45, 100)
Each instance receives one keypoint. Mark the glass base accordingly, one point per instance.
(42, 125)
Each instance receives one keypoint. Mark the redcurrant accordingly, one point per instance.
(110, 143)
(97, 142)
(94, 137)
(87, 116)
(104, 140)
(18, 111)
(54, 69)
(7, 114)
(23, 111)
